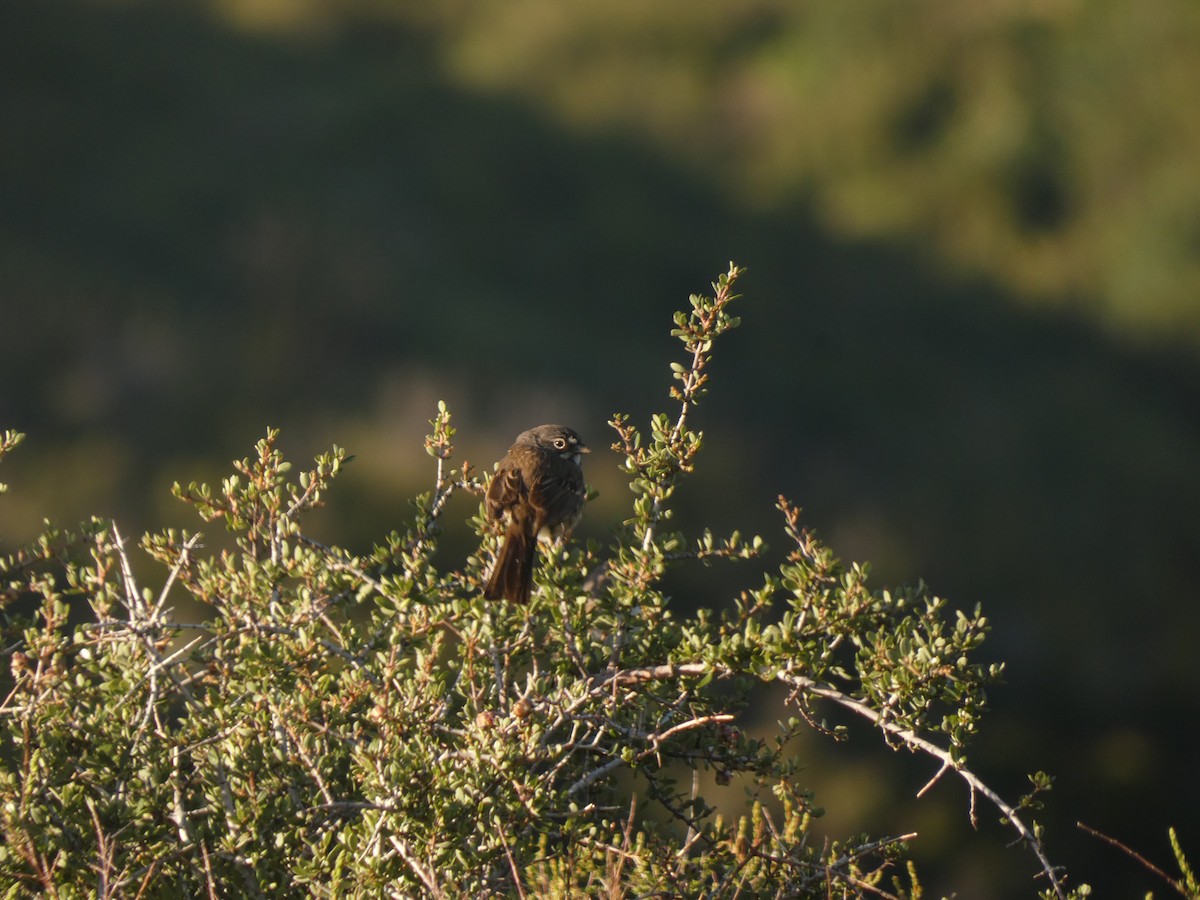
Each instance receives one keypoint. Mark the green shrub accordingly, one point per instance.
(368, 725)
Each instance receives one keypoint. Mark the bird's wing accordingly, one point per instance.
(506, 490)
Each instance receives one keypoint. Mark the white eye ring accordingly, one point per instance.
(560, 443)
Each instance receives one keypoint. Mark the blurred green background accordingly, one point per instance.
(971, 340)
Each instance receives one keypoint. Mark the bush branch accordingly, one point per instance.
(907, 737)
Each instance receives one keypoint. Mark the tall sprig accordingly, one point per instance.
(673, 447)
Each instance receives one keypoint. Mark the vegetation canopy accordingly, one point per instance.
(349, 724)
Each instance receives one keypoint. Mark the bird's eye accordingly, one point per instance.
(560, 443)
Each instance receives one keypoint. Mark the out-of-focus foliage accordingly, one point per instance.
(1051, 145)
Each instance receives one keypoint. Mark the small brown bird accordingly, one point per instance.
(538, 489)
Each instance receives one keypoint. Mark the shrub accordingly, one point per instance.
(368, 725)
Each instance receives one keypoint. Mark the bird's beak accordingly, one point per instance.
(582, 448)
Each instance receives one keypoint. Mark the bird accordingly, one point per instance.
(538, 491)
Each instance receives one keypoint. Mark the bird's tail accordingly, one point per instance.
(512, 575)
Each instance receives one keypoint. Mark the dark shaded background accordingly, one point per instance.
(970, 328)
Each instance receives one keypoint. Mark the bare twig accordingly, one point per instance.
(595, 775)
(173, 575)
(1134, 855)
(512, 863)
(934, 780)
(426, 877)
(105, 851)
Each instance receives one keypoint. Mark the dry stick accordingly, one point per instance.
(174, 574)
(427, 878)
(1133, 854)
(595, 775)
(209, 880)
(104, 853)
(699, 722)
(512, 864)
(690, 837)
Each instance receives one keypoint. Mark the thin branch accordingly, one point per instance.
(105, 850)
(1134, 855)
(209, 881)
(692, 831)
(174, 574)
(427, 878)
(934, 780)
(595, 775)
(512, 863)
